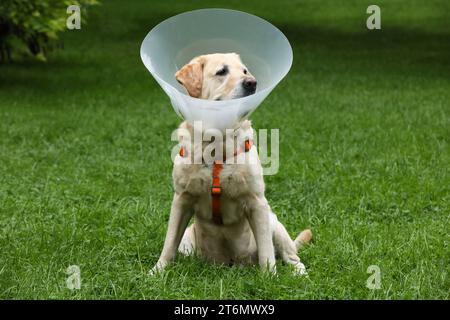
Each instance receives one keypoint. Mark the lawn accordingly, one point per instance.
(85, 170)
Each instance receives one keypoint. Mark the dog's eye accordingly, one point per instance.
(222, 71)
(245, 71)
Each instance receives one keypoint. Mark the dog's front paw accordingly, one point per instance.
(157, 269)
(300, 269)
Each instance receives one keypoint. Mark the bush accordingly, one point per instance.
(32, 26)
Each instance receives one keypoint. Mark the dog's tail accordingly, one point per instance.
(303, 239)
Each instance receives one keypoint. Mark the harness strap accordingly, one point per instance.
(216, 189)
(182, 151)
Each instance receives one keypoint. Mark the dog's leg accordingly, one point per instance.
(187, 245)
(287, 249)
(259, 219)
(180, 214)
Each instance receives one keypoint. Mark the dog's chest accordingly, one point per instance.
(235, 180)
(237, 184)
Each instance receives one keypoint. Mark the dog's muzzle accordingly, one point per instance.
(249, 87)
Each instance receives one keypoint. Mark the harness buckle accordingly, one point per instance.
(216, 190)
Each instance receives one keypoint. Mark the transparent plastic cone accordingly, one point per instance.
(174, 42)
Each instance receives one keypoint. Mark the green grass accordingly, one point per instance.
(85, 170)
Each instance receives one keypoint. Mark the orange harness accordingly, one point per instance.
(216, 189)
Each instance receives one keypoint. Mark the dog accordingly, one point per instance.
(233, 224)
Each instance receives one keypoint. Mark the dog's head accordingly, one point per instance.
(218, 76)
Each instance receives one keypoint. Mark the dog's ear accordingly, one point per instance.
(191, 77)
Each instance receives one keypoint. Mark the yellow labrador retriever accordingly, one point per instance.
(233, 220)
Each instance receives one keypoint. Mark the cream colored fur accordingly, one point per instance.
(251, 232)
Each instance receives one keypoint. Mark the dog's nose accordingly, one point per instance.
(249, 84)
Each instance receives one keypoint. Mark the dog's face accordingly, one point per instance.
(218, 76)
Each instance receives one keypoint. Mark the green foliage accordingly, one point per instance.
(32, 26)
